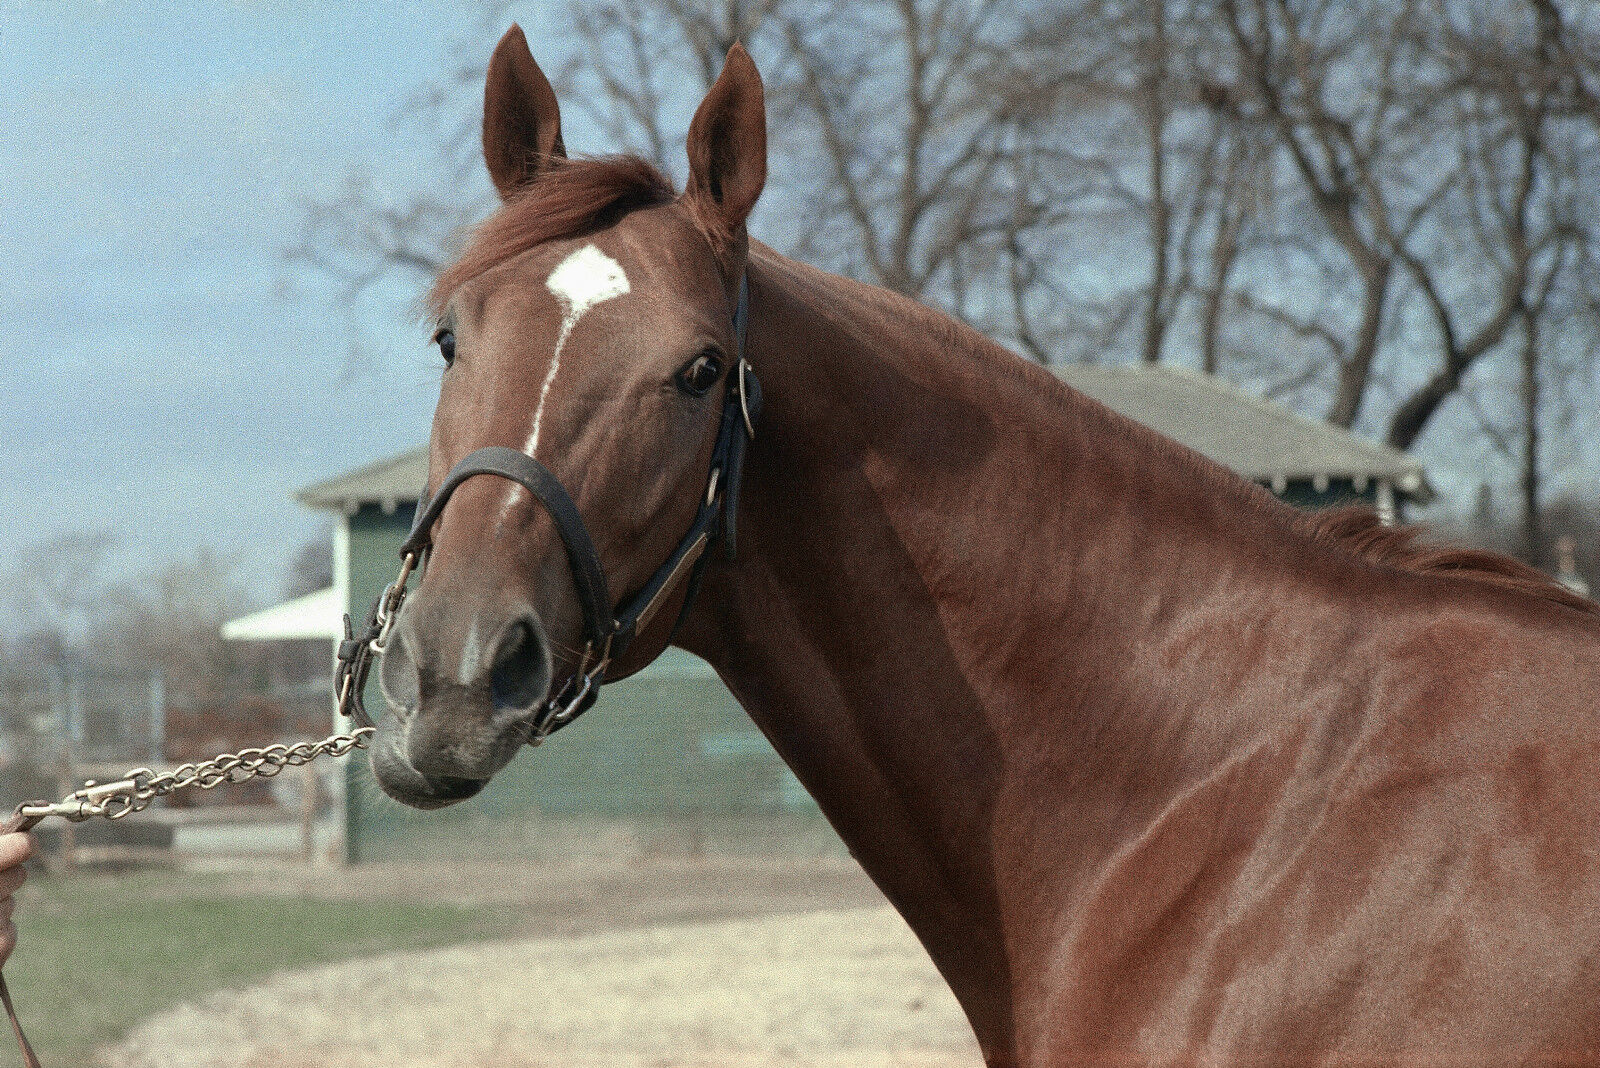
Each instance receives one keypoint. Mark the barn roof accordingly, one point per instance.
(1256, 438)
(393, 480)
(316, 615)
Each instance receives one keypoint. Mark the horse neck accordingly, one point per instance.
(946, 560)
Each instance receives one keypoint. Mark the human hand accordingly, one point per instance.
(15, 849)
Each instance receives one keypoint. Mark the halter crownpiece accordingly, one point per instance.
(607, 632)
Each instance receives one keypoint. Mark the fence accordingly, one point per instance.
(57, 723)
(63, 725)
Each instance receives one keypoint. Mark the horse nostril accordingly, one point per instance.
(518, 679)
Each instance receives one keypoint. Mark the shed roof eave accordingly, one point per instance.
(390, 480)
(1411, 483)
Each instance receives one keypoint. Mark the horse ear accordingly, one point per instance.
(521, 120)
(728, 143)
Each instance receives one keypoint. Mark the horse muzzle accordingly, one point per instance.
(461, 705)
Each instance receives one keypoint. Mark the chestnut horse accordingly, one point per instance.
(1159, 769)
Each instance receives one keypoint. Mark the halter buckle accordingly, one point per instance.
(576, 694)
(356, 653)
(389, 603)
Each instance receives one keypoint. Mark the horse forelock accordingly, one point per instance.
(569, 199)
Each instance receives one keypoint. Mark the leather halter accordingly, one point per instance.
(607, 632)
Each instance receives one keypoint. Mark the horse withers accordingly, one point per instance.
(1160, 770)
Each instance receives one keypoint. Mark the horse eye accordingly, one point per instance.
(701, 373)
(446, 340)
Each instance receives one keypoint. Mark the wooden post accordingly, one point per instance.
(310, 791)
(158, 717)
(72, 710)
(1387, 513)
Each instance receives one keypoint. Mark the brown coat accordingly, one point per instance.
(1160, 770)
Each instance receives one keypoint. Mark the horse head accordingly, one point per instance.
(590, 327)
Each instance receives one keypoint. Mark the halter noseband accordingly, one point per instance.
(606, 633)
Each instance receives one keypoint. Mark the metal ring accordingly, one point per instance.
(711, 485)
(744, 399)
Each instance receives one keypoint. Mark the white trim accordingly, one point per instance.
(338, 783)
(341, 560)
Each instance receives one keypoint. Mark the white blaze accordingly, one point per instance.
(582, 280)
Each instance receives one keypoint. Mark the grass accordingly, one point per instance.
(97, 953)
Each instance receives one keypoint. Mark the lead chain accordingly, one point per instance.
(141, 787)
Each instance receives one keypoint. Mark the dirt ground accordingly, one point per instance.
(661, 964)
(589, 897)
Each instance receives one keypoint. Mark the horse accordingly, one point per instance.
(1160, 770)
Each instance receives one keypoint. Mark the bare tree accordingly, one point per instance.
(58, 588)
(1378, 210)
(908, 155)
(171, 619)
(1421, 147)
(640, 64)
(310, 569)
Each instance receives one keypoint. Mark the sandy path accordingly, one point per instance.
(834, 988)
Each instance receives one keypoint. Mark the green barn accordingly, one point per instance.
(668, 752)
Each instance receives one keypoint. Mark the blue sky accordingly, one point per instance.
(167, 375)
(163, 379)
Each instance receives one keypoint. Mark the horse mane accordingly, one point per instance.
(1352, 530)
(569, 198)
(1357, 530)
(572, 197)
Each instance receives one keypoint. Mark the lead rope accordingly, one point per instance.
(141, 787)
(29, 1058)
(18, 822)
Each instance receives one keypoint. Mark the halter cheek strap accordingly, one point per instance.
(606, 632)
